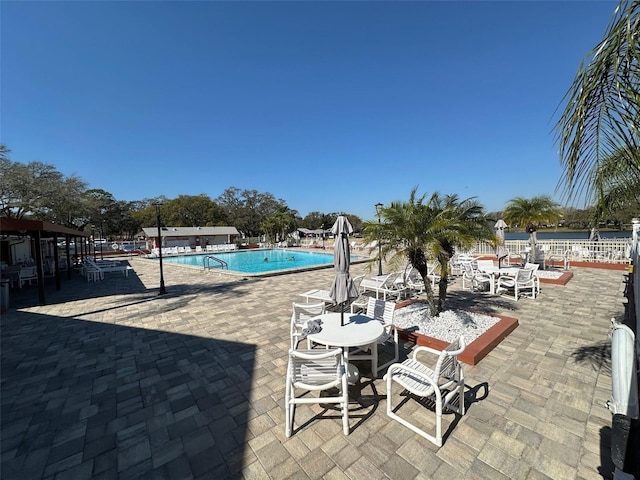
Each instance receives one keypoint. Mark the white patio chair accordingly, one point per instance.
(359, 304)
(563, 257)
(535, 267)
(515, 259)
(27, 274)
(523, 281)
(382, 311)
(443, 385)
(316, 370)
(301, 313)
(475, 278)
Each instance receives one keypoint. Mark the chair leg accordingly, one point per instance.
(345, 405)
(437, 440)
(288, 410)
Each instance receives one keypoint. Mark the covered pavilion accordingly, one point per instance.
(38, 231)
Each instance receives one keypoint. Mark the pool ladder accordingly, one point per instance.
(207, 262)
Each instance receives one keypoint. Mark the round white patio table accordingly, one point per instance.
(358, 330)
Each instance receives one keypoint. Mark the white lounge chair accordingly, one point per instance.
(385, 285)
(443, 384)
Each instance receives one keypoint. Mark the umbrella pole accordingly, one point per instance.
(342, 314)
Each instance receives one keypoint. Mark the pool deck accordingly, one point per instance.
(111, 380)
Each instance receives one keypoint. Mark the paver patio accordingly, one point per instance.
(110, 380)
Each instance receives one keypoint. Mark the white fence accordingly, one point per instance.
(615, 250)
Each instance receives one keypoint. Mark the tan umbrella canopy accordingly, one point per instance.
(343, 288)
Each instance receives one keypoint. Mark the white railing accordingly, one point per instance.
(615, 250)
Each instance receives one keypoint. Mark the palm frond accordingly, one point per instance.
(602, 115)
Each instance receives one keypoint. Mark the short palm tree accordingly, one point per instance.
(530, 214)
(422, 229)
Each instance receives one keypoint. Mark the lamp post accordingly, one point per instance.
(101, 239)
(322, 227)
(93, 241)
(378, 207)
(162, 289)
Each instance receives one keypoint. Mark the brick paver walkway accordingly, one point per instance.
(110, 380)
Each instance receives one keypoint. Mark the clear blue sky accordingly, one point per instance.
(331, 106)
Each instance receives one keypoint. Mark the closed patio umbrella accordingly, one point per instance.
(343, 288)
(501, 250)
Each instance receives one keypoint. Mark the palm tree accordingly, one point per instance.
(602, 113)
(615, 189)
(424, 229)
(531, 213)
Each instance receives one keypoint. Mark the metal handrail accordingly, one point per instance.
(207, 264)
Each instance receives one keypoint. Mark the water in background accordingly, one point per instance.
(565, 235)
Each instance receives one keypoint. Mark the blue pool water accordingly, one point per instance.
(253, 261)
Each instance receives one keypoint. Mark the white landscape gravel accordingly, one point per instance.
(448, 326)
(552, 274)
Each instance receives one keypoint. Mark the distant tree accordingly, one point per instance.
(36, 189)
(424, 229)
(356, 222)
(315, 220)
(193, 211)
(280, 223)
(247, 209)
(4, 152)
(68, 205)
(576, 218)
(530, 214)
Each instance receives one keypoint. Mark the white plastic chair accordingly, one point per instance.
(535, 267)
(443, 384)
(564, 257)
(316, 370)
(27, 274)
(473, 276)
(523, 281)
(301, 313)
(382, 311)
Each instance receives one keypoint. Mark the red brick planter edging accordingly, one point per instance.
(566, 276)
(476, 350)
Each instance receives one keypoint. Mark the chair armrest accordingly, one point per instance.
(424, 349)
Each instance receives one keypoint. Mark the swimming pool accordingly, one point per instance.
(259, 261)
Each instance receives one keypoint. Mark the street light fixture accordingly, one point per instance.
(162, 289)
(378, 207)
